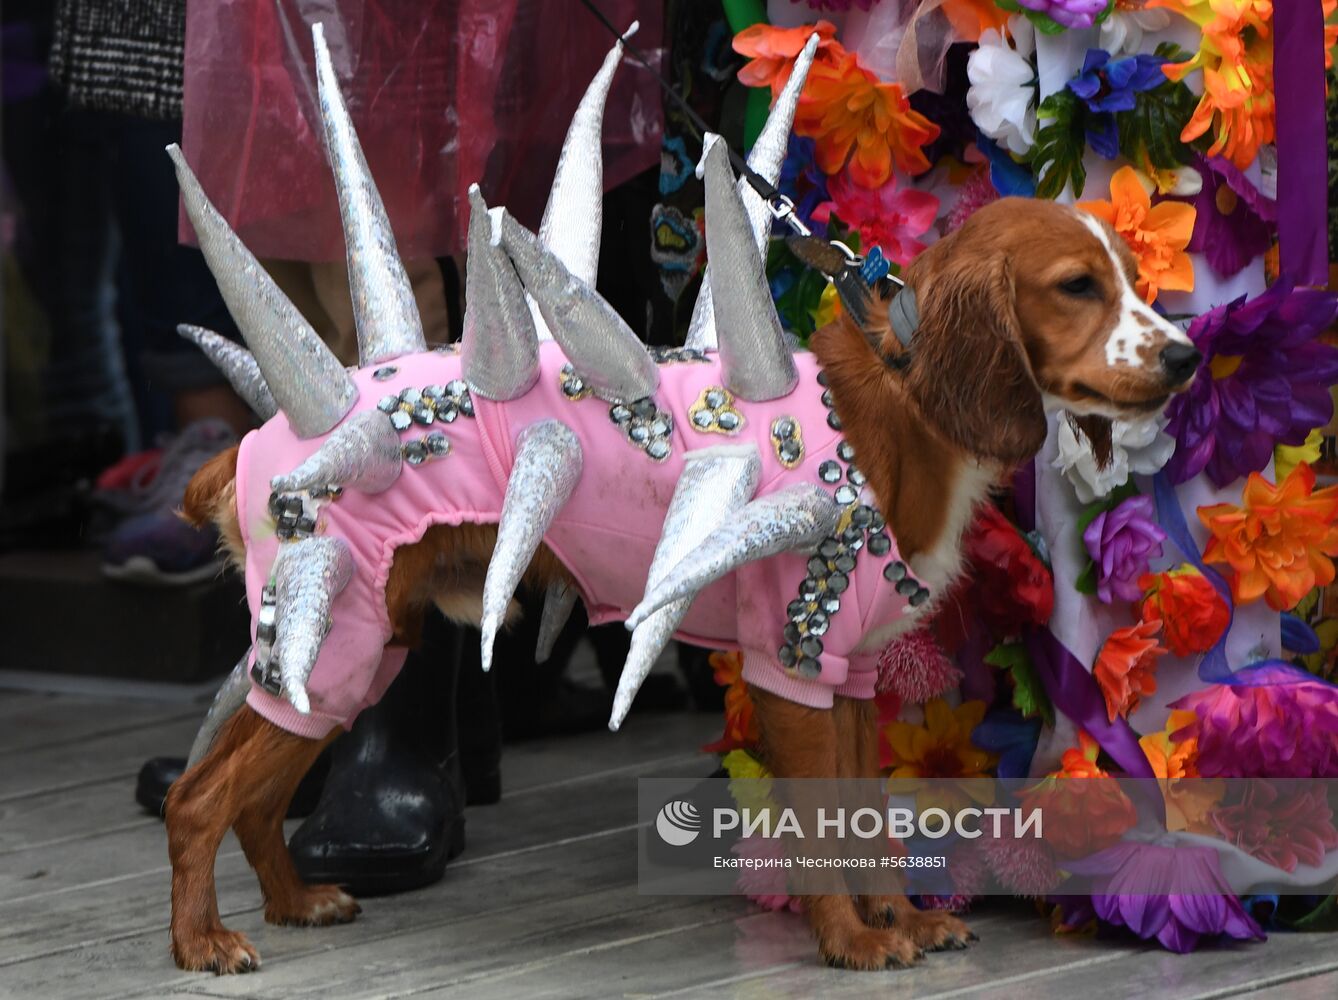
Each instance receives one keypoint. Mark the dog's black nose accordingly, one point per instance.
(1181, 361)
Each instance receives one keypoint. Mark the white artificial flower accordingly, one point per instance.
(1122, 30)
(1002, 95)
(1135, 447)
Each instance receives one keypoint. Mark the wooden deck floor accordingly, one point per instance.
(542, 904)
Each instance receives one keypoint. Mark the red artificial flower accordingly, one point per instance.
(1012, 586)
(1083, 808)
(1281, 828)
(1190, 609)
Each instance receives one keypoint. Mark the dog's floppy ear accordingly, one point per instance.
(1098, 431)
(970, 374)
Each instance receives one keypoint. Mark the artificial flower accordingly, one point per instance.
(1006, 733)
(749, 781)
(1280, 827)
(1233, 222)
(772, 51)
(1236, 56)
(1083, 807)
(1176, 895)
(1013, 587)
(1188, 803)
(801, 180)
(914, 667)
(1122, 30)
(1137, 447)
(887, 217)
(740, 725)
(1287, 457)
(1279, 541)
(838, 5)
(1191, 611)
(1157, 234)
(1179, 182)
(1107, 86)
(1264, 380)
(1002, 96)
(1121, 541)
(1125, 665)
(855, 118)
(942, 747)
(1271, 723)
(1069, 13)
(969, 875)
(972, 18)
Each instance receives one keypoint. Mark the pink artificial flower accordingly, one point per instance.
(1282, 828)
(885, 217)
(764, 886)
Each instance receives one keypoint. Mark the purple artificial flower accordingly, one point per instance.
(1270, 722)
(1069, 13)
(1121, 541)
(1233, 222)
(1177, 895)
(1264, 381)
(1106, 87)
(837, 5)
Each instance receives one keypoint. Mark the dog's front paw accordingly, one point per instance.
(871, 949)
(932, 930)
(220, 951)
(314, 906)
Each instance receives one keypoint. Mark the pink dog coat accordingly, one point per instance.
(800, 619)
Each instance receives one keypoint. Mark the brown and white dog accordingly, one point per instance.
(1029, 307)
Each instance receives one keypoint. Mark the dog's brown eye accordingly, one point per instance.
(1081, 285)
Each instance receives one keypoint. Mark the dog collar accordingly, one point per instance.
(904, 316)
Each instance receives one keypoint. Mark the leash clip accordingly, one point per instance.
(782, 210)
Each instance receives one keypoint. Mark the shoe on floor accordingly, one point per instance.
(158, 773)
(154, 546)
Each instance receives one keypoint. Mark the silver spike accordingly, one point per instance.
(792, 519)
(715, 483)
(546, 470)
(309, 384)
(601, 347)
(363, 452)
(559, 601)
(238, 366)
(499, 348)
(308, 575)
(766, 157)
(230, 697)
(574, 214)
(755, 357)
(384, 308)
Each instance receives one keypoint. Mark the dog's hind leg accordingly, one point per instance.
(259, 828)
(801, 742)
(234, 776)
(857, 757)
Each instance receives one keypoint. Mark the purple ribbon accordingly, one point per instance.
(1298, 71)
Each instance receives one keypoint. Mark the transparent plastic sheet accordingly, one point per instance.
(443, 93)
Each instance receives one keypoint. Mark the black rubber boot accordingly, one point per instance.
(158, 773)
(392, 812)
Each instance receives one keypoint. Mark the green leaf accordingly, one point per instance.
(1029, 695)
(1152, 129)
(1046, 25)
(1056, 159)
(1086, 582)
(1323, 918)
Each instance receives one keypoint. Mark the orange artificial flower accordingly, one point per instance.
(1279, 542)
(772, 51)
(851, 115)
(740, 724)
(1188, 803)
(1124, 667)
(1190, 609)
(970, 17)
(1083, 808)
(1157, 234)
(1236, 56)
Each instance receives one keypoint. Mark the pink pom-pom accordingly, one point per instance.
(1024, 866)
(976, 193)
(913, 667)
(970, 876)
(764, 886)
